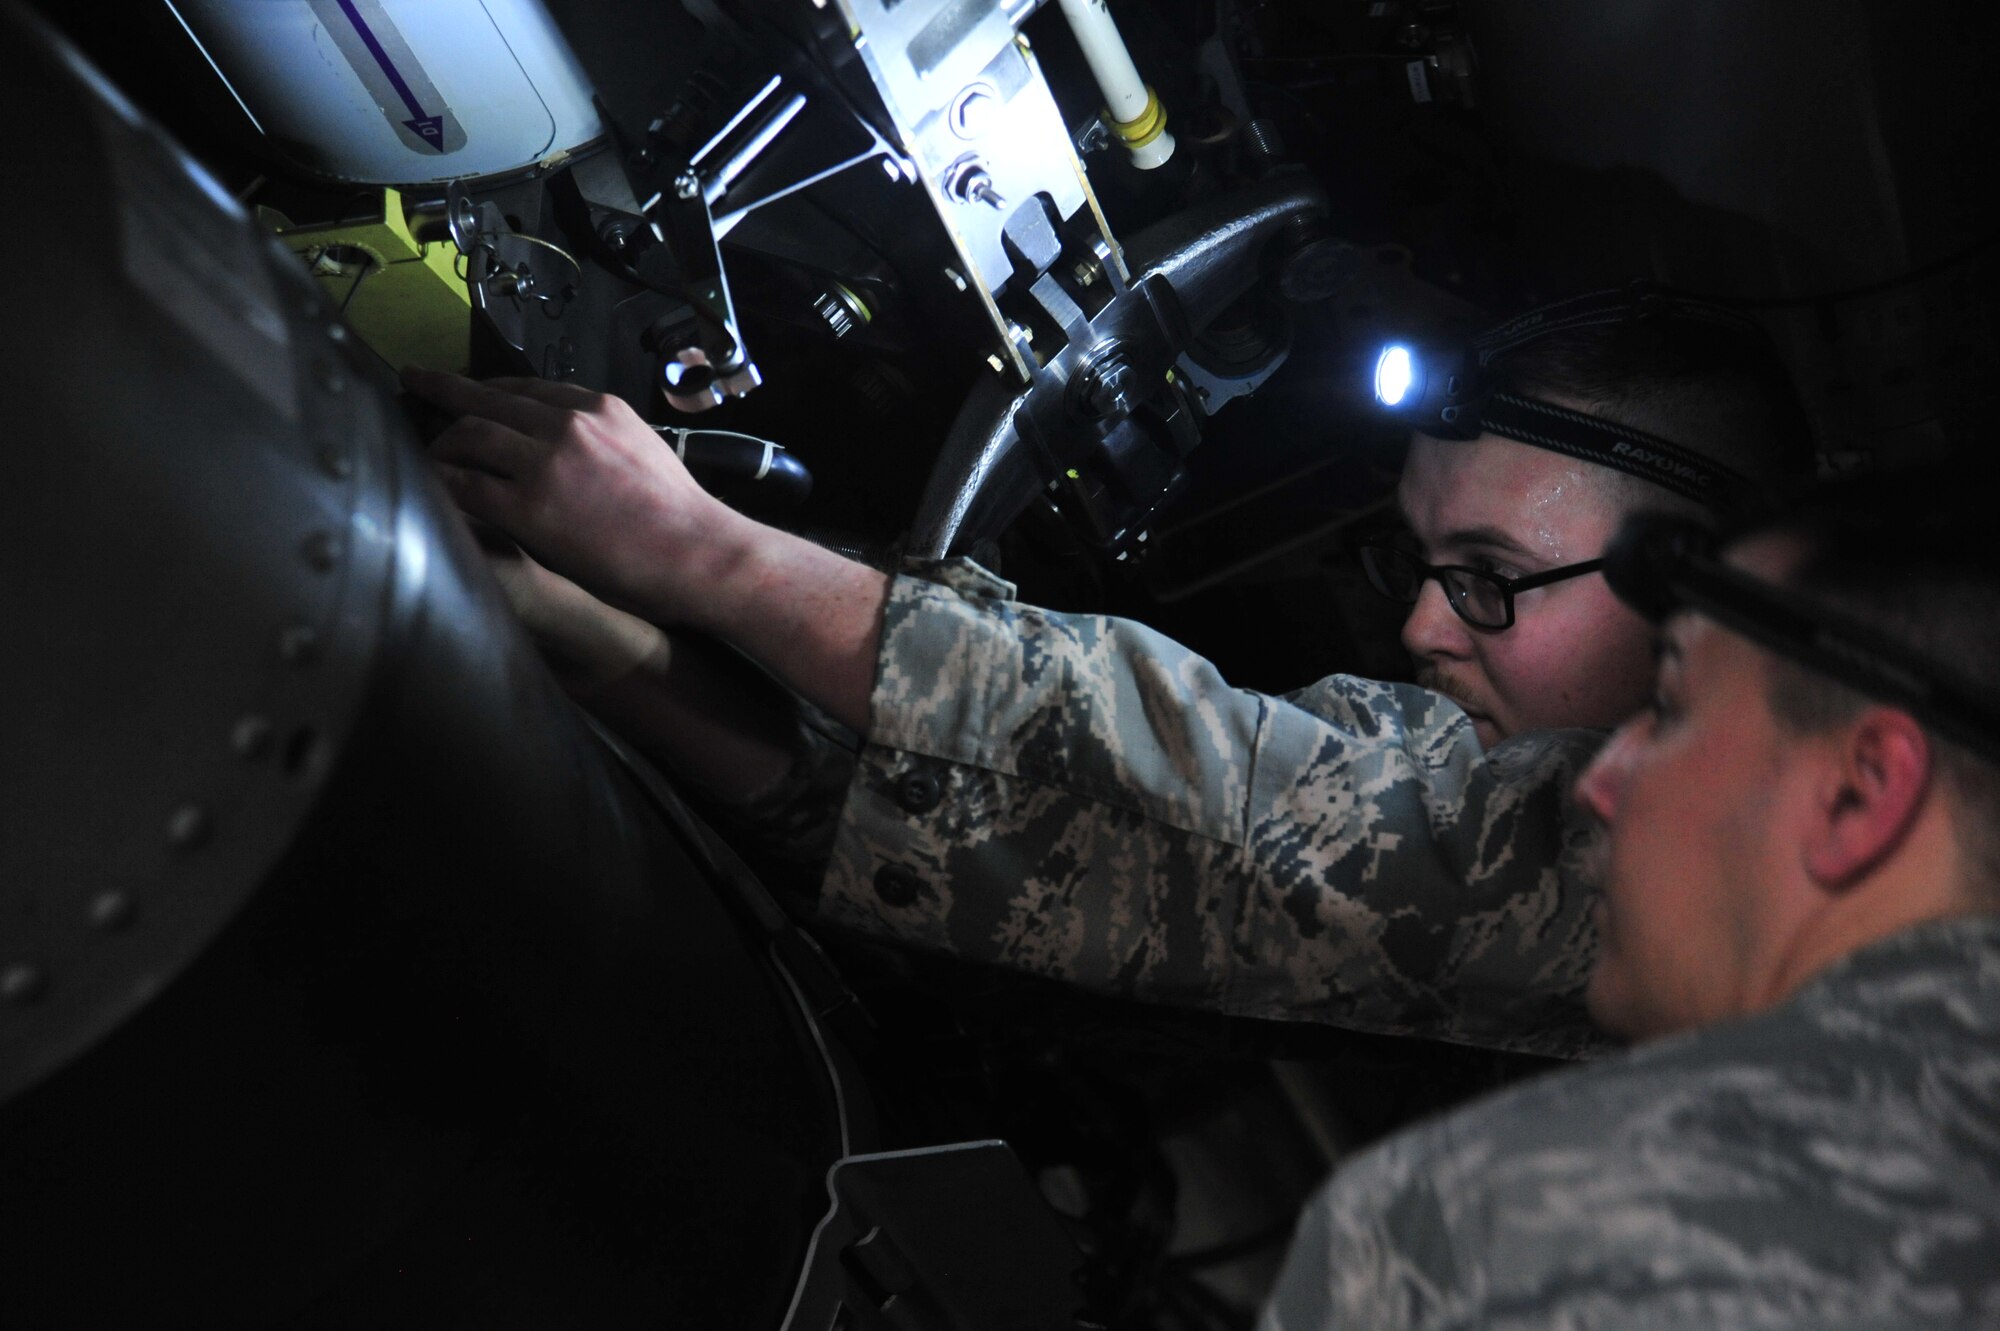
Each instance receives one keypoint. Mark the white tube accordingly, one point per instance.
(1133, 108)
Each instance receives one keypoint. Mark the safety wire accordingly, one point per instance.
(462, 267)
(368, 269)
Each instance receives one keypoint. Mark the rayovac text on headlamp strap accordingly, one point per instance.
(1608, 444)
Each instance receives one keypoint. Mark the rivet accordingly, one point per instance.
(111, 911)
(298, 643)
(337, 332)
(22, 984)
(336, 461)
(327, 374)
(322, 550)
(187, 825)
(251, 737)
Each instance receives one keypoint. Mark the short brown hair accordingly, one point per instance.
(1914, 554)
(1719, 391)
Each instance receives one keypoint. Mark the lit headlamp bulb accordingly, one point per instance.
(1395, 372)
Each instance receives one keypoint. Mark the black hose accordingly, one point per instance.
(738, 466)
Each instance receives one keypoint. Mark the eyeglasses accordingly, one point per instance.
(1483, 600)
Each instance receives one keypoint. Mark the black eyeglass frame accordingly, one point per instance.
(1457, 595)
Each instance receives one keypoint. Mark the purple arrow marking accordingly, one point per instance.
(434, 135)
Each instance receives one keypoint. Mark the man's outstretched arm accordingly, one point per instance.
(580, 481)
(1081, 797)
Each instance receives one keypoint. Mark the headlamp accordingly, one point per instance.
(1661, 565)
(1427, 387)
(1450, 393)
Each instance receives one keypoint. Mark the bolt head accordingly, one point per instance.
(322, 550)
(687, 185)
(298, 644)
(22, 984)
(251, 737)
(187, 825)
(1110, 386)
(111, 911)
(973, 111)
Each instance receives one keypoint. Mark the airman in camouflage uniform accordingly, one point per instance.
(1085, 799)
(1832, 1163)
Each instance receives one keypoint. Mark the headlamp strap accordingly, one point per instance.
(1660, 565)
(1826, 639)
(1613, 305)
(1619, 447)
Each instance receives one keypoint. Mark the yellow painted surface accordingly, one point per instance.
(411, 307)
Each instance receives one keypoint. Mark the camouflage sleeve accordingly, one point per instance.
(794, 819)
(1080, 797)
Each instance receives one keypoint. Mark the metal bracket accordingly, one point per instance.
(702, 202)
(510, 276)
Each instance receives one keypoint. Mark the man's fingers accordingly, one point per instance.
(563, 397)
(487, 498)
(486, 445)
(469, 397)
(496, 545)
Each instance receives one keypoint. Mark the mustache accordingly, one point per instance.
(1437, 681)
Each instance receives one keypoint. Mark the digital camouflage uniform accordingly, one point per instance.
(1833, 1163)
(1080, 797)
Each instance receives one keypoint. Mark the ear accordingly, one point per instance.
(1878, 772)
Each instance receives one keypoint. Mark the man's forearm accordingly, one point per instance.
(811, 617)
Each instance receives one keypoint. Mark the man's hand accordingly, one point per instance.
(578, 479)
(587, 487)
(588, 645)
(711, 718)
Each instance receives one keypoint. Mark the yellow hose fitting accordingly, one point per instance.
(1143, 128)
